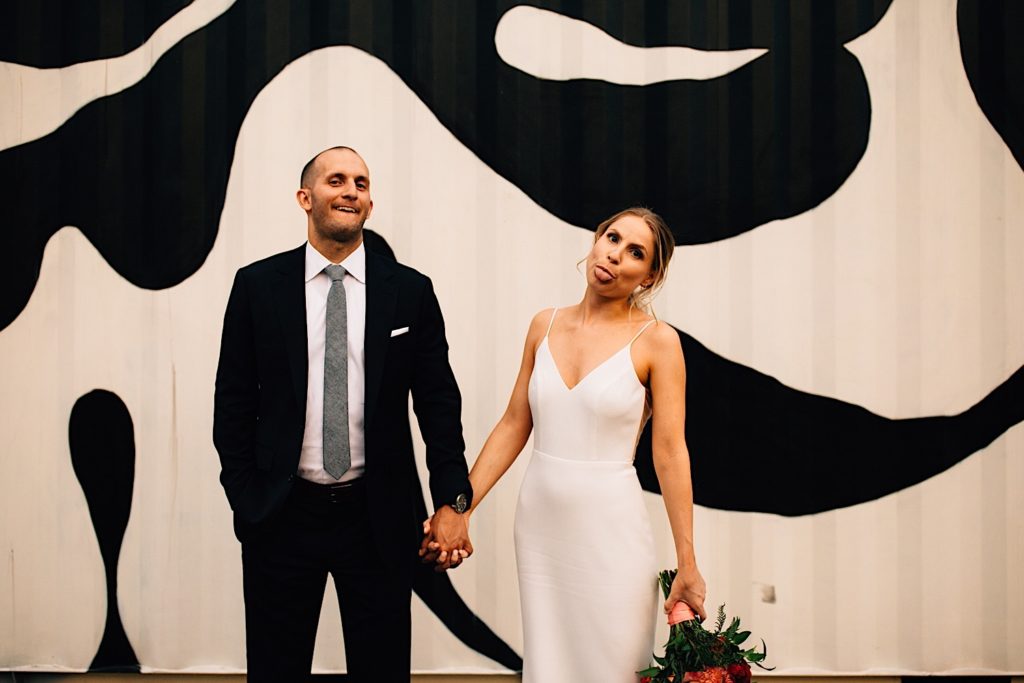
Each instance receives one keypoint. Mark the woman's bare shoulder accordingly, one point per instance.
(539, 325)
(541, 319)
(662, 338)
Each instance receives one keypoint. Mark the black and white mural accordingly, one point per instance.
(845, 180)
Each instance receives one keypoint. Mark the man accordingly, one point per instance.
(321, 348)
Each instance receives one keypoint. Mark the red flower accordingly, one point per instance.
(740, 672)
(712, 674)
(645, 679)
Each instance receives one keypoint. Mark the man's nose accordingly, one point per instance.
(349, 191)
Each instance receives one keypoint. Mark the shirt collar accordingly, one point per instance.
(355, 264)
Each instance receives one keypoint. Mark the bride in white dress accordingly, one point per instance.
(591, 376)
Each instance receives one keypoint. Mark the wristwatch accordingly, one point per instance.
(461, 503)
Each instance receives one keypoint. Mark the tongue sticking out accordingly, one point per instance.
(602, 275)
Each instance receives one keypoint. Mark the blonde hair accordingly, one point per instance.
(664, 245)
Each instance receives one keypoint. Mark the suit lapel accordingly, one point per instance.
(290, 304)
(381, 298)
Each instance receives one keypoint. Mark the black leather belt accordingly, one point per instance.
(327, 493)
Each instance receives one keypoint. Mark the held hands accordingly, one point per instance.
(689, 588)
(446, 539)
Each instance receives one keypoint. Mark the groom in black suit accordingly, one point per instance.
(311, 422)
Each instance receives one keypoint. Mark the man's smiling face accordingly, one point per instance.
(337, 199)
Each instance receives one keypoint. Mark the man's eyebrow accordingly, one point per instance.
(341, 174)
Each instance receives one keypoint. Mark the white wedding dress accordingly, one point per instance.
(584, 549)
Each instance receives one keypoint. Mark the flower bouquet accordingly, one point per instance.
(693, 653)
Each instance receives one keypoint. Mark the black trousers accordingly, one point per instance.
(322, 530)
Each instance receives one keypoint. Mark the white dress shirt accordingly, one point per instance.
(311, 461)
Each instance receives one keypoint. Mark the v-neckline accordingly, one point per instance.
(591, 371)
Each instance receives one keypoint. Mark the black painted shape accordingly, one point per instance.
(723, 24)
(142, 174)
(439, 595)
(102, 441)
(56, 33)
(992, 47)
(436, 589)
(716, 158)
(376, 243)
(757, 445)
(773, 139)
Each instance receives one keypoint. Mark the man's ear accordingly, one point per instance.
(369, 210)
(302, 197)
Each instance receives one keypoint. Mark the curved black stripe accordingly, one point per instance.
(716, 158)
(56, 33)
(757, 445)
(439, 595)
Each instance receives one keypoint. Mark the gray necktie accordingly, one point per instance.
(337, 456)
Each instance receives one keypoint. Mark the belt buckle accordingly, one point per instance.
(335, 490)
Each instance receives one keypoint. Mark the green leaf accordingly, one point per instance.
(740, 637)
(720, 621)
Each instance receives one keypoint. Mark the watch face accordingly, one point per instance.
(460, 503)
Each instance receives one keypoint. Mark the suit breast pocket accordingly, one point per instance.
(400, 340)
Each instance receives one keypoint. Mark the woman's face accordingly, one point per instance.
(620, 260)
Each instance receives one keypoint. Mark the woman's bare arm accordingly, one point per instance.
(667, 381)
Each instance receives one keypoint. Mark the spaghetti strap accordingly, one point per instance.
(649, 322)
(552, 321)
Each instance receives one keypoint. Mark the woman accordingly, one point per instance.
(591, 375)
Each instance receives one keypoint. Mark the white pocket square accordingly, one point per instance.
(400, 330)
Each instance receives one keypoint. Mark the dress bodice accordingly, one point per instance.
(598, 419)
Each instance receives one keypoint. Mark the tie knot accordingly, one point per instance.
(336, 273)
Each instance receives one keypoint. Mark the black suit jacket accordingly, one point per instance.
(260, 397)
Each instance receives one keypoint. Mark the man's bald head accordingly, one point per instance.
(309, 170)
